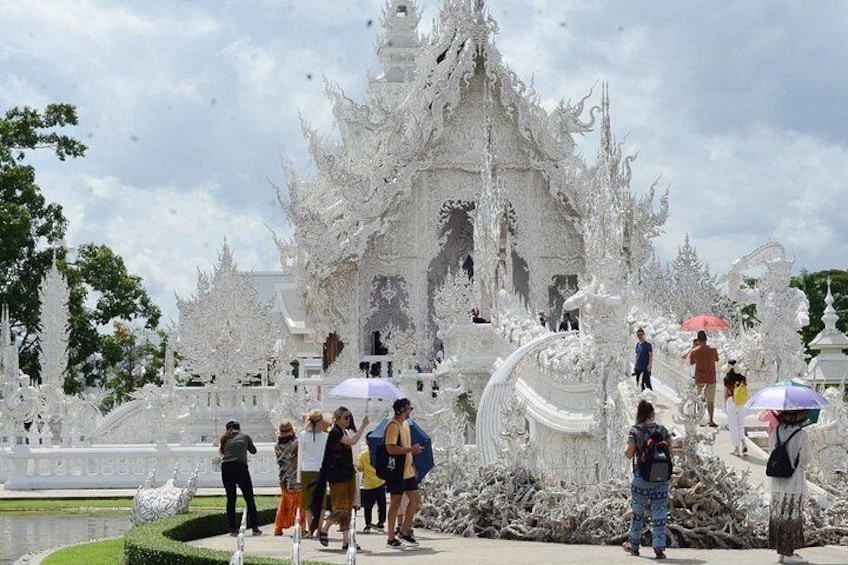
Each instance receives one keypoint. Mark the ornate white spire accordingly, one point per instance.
(401, 43)
(8, 351)
(53, 337)
(225, 335)
(830, 338)
(830, 317)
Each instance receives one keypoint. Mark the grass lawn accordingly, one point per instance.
(106, 505)
(106, 552)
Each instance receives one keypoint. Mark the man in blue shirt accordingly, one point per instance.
(644, 360)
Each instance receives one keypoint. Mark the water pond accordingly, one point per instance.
(35, 531)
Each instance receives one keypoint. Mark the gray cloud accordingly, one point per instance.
(186, 107)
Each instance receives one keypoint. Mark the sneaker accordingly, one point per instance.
(630, 549)
(744, 450)
(409, 540)
(257, 532)
(394, 543)
(380, 528)
(660, 554)
(795, 558)
(367, 529)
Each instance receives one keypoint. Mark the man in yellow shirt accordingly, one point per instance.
(398, 440)
(373, 491)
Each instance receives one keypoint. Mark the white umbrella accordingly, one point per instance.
(367, 388)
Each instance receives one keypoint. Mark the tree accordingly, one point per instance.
(129, 359)
(814, 286)
(103, 293)
(31, 236)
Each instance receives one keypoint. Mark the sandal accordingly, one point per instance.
(324, 538)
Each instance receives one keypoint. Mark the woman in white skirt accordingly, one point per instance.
(734, 404)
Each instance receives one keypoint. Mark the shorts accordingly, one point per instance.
(402, 486)
(709, 391)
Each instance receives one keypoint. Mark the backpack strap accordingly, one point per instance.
(399, 435)
(797, 457)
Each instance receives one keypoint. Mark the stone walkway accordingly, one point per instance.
(444, 549)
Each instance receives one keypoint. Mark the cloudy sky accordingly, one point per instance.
(187, 107)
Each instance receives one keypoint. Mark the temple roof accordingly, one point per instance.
(387, 140)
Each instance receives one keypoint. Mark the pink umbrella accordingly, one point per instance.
(704, 322)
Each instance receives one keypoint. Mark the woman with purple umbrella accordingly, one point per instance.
(786, 509)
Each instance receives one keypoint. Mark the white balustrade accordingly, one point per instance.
(122, 466)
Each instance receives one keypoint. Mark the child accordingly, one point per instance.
(373, 491)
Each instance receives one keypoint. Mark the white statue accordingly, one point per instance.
(781, 310)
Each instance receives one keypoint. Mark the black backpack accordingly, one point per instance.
(388, 467)
(654, 459)
(779, 464)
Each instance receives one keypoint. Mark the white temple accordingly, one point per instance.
(450, 189)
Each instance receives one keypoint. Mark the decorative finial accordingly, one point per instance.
(830, 316)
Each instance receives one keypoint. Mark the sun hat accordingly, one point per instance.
(286, 428)
(315, 415)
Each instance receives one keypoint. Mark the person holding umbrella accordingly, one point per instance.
(398, 439)
(704, 359)
(786, 508)
(791, 403)
(338, 470)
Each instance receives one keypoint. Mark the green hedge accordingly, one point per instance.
(162, 542)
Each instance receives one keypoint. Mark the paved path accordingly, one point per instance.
(444, 549)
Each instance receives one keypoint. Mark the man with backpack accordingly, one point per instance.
(398, 441)
(790, 451)
(649, 446)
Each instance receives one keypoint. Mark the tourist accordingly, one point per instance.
(734, 405)
(543, 319)
(338, 471)
(643, 492)
(373, 492)
(440, 355)
(311, 444)
(568, 323)
(233, 447)
(398, 439)
(286, 452)
(644, 360)
(786, 509)
(475, 317)
(704, 359)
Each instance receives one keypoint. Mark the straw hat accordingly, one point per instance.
(734, 366)
(315, 415)
(286, 429)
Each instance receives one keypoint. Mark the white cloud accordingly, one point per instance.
(186, 107)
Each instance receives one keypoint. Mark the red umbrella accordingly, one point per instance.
(704, 322)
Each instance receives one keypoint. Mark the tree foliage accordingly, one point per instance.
(814, 286)
(31, 236)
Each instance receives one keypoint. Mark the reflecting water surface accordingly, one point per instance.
(23, 533)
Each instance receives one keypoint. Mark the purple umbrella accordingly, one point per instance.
(782, 397)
